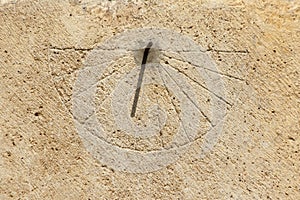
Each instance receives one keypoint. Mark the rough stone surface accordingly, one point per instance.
(255, 45)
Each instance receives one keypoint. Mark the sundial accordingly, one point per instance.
(149, 99)
(144, 96)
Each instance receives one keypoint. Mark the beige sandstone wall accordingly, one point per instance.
(255, 46)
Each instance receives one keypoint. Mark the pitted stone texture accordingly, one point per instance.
(43, 45)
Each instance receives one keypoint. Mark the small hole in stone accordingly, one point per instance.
(37, 114)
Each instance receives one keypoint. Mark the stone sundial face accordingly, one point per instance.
(123, 99)
(144, 96)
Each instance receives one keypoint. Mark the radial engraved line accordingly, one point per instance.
(204, 115)
(175, 109)
(219, 97)
(217, 72)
